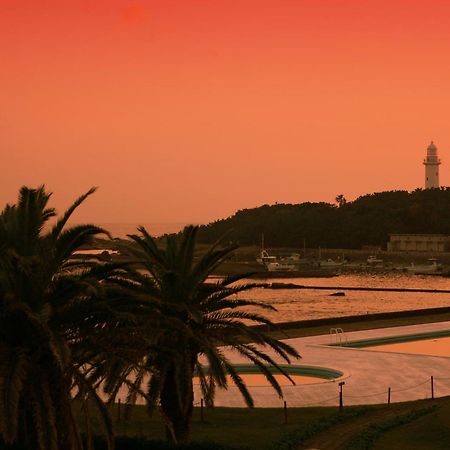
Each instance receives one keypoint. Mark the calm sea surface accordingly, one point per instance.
(295, 304)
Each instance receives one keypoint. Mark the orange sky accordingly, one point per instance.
(187, 110)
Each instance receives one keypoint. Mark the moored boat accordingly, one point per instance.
(279, 266)
(431, 268)
(265, 258)
(331, 263)
(374, 260)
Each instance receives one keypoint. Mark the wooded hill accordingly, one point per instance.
(367, 220)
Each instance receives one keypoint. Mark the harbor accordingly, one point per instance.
(276, 262)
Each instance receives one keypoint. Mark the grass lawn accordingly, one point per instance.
(255, 428)
(430, 432)
(357, 428)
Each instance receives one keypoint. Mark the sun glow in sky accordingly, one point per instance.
(187, 110)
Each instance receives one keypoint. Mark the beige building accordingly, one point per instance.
(417, 243)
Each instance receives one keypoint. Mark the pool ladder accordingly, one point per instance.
(337, 336)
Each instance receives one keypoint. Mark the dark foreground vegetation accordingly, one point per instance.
(415, 425)
(366, 221)
(420, 425)
(73, 331)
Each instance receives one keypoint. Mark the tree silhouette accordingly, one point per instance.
(340, 200)
(205, 316)
(50, 306)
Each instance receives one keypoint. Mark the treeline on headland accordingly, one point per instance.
(368, 220)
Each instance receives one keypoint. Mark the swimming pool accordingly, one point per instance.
(435, 343)
(301, 374)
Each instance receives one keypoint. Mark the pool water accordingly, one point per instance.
(258, 379)
(300, 374)
(433, 347)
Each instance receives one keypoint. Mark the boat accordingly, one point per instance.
(291, 266)
(265, 258)
(275, 264)
(280, 266)
(297, 258)
(374, 260)
(431, 268)
(330, 263)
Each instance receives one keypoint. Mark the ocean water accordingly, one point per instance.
(293, 304)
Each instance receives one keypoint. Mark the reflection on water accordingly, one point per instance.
(295, 304)
(433, 347)
(251, 379)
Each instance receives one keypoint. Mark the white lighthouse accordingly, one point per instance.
(431, 163)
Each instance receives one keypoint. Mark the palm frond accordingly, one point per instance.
(58, 227)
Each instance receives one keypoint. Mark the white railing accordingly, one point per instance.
(337, 336)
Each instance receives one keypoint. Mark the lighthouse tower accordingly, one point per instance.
(431, 163)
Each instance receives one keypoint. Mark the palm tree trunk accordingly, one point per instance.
(177, 410)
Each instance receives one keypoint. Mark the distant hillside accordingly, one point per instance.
(366, 221)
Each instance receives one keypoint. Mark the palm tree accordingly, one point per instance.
(206, 316)
(51, 304)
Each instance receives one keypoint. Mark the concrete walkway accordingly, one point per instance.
(367, 373)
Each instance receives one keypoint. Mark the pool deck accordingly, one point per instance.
(367, 373)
